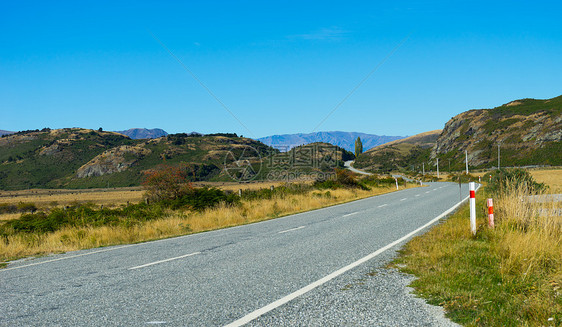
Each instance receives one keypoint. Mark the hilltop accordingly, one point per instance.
(344, 140)
(395, 155)
(2, 132)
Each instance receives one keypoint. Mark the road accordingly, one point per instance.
(348, 163)
(258, 271)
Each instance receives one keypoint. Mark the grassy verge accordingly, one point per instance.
(97, 230)
(507, 276)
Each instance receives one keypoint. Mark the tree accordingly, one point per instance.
(166, 182)
(358, 147)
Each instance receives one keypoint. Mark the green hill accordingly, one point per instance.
(81, 158)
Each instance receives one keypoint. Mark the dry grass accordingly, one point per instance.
(507, 276)
(551, 177)
(176, 223)
(50, 198)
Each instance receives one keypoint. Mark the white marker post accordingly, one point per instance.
(396, 180)
(472, 203)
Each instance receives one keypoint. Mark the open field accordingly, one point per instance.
(178, 222)
(551, 177)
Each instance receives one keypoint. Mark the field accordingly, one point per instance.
(551, 177)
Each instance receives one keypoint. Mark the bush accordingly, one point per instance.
(166, 183)
(514, 178)
(202, 198)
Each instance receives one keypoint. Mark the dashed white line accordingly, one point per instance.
(427, 192)
(351, 214)
(403, 199)
(292, 229)
(417, 195)
(382, 205)
(263, 310)
(165, 260)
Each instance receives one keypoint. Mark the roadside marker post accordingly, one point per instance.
(396, 180)
(490, 205)
(472, 201)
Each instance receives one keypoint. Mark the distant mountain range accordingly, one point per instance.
(2, 132)
(143, 133)
(345, 140)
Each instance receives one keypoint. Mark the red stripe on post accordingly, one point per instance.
(472, 194)
(490, 210)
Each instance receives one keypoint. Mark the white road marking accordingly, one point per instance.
(382, 205)
(417, 195)
(403, 199)
(155, 322)
(292, 229)
(263, 310)
(427, 192)
(351, 214)
(70, 257)
(165, 260)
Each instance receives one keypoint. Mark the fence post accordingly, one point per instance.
(490, 205)
(472, 202)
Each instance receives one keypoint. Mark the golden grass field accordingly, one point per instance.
(551, 177)
(176, 223)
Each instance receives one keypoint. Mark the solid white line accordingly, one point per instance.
(403, 199)
(165, 260)
(351, 214)
(382, 205)
(290, 230)
(261, 311)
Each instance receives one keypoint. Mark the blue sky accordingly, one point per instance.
(278, 67)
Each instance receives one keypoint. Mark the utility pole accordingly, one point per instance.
(466, 159)
(437, 168)
(498, 156)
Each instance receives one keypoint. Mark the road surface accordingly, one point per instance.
(279, 272)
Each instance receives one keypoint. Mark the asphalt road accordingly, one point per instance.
(217, 278)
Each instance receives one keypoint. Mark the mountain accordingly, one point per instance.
(345, 140)
(2, 132)
(143, 133)
(83, 158)
(404, 153)
(528, 131)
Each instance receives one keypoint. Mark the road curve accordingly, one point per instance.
(347, 165)
(221, 277)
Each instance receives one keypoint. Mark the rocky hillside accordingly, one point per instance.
(405, 153)
(528, 131)
(82, 158)
(344, 140)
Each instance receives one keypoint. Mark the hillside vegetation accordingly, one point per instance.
(405, 153)
(528, 131)
(83, 158)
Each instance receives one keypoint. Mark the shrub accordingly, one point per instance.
(516, 179)
(166, 183)
(202, 198)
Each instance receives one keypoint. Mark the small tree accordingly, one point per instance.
(166, 183)
(358, 147)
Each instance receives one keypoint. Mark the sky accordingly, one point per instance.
(260, 68)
